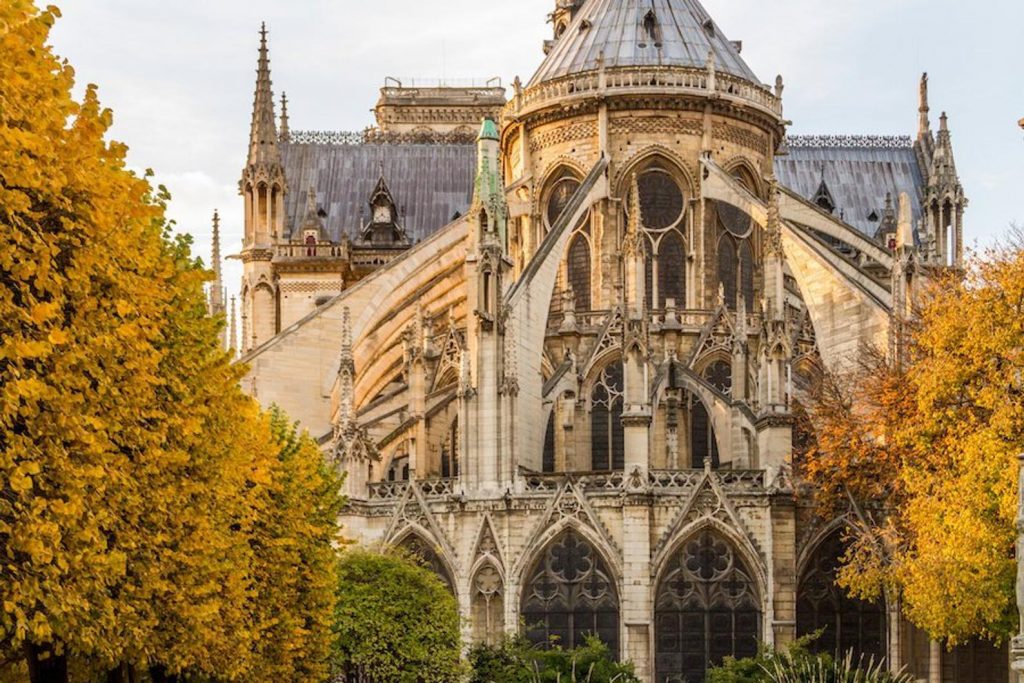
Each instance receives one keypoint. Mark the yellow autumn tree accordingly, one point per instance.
(150, 516)
(922, 455)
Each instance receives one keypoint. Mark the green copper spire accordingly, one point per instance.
(489, 130)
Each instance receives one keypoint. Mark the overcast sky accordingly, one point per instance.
(179, 76)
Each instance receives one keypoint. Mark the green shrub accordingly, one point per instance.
(517, 660)
(798, 664)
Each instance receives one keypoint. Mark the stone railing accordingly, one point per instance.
(299, 251)
(374, 136)
(855, 141)
(590, 322)
(393, 490)
(674, 79)
(732, 481)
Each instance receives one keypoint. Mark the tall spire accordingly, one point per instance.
(924, 127)
(263, 134)
(285, 134)
(233, 333)
(217, 286)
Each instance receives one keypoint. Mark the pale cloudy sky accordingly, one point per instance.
(179, 75)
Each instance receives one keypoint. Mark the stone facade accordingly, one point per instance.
(575, 399)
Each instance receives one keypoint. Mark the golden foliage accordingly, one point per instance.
(149, 513)
(923, 455)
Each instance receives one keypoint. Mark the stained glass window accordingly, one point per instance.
(672, 270)
(661, 200)
(607, 448)
(747, 274)
(558, 199)
(702, 435)
(847, 623)
(707, 608)
(727, 270)
(549, 444)
(579, 272)
(569, 595)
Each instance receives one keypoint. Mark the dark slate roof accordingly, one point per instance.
(858, 172)
(430, 182)
(615, 29)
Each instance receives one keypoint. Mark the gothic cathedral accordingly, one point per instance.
(556, 335)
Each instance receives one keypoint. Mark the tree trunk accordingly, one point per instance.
(44, 666)
(124, 673)
(159, 674)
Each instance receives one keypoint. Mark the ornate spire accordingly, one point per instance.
(285, 134)
(233, 334)
(217, 286)
(346, 378)
(924, 127)
(263, 134)
(312, 219)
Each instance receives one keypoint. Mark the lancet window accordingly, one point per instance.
(450, 452)
(578, 270)
(703, 445)
(548, 464)
(570, 594)
(662, 214)
(707, 608)
(488, 604)
(847, 624)
(607, 447)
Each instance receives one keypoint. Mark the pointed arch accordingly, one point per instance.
(707, 606)
(487, 603)
(570, 592)
(847, 623)
(415, 541)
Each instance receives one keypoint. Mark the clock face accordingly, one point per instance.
(382, 214)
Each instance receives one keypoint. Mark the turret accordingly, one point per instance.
(484, 387)
(263, 188)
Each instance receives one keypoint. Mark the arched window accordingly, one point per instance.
(747, 274)
(707, 608)
(559, 195)
(727, 270)
(425, 554)
(703, 445)
(661, 199)
(450, 452)
(607, 448)
(848, 624)
(488, 606)
(579, 272)
(569, 595)
(671, 271)
(549, 444)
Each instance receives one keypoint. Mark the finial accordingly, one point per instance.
(215, 250)
(285, 134)
(925, 125)
(944, 123)
(779, 86)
